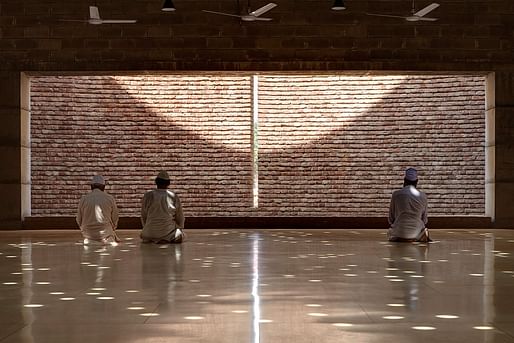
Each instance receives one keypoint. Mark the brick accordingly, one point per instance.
(343, 42)
(73, 43)
(25, 43)
(218, 42)
(357, 55)
(39, 31)
(490, 44)
(110, 31)
(257, 54)
(268, 43)
(159, 31)
(381, 54)
(49, 44)
(380, 31)
(318, 43)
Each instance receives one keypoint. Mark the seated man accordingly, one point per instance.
(408, 212)
(97, 214)
(161, 214)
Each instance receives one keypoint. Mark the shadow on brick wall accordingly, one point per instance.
(127, 131)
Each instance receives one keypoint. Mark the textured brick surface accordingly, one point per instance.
(329, 145)
(128, 128)
(338, 145)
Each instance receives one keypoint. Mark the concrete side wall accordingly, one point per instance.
(504, 165)
(10, 150)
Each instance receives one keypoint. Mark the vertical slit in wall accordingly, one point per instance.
(25, 176)
(255, 140)
(490, 146)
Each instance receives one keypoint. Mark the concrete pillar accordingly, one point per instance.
(10, 151)
(504, 155)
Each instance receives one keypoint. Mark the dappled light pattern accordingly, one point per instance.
(289, 286)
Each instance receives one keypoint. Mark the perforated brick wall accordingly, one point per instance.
(328, 145)
(127, 128)
(338, 145)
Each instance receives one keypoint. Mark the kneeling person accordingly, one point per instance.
(97, 214)
(408, 212)
(161, 214)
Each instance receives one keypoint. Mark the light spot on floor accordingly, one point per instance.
(265, 321)
(447, 316)
(342, 325)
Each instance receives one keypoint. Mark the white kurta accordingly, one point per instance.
(161, 215)
(97, 215)
(408, 213)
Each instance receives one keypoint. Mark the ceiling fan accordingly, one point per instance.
(415, 16)
(94, 18)
(251, 16)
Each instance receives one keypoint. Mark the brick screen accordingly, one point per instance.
(338, 145)
(128, 128)
(328, 145)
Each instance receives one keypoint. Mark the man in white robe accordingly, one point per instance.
(408, 212)
(97, 214)
(161, 214)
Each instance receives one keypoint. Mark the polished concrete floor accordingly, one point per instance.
(258, 286)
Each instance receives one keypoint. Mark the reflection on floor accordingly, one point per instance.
(258, 286)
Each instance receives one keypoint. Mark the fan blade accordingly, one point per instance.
(426, 10)
(262, 19)
(118, 21)
(221, 13)
(263, 9)
(94, 13)
(385, 15)
(427, 19)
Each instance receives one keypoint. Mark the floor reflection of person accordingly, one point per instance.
(408, 212)
(97, 214)
(161, 214)
(162, 272)
(405, 263)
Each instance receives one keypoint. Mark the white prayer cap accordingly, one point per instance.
(411, 174)
(98, 180)
(163, 175)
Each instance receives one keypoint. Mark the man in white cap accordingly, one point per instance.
(97, 214)
(408, 212)
(161, 214)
